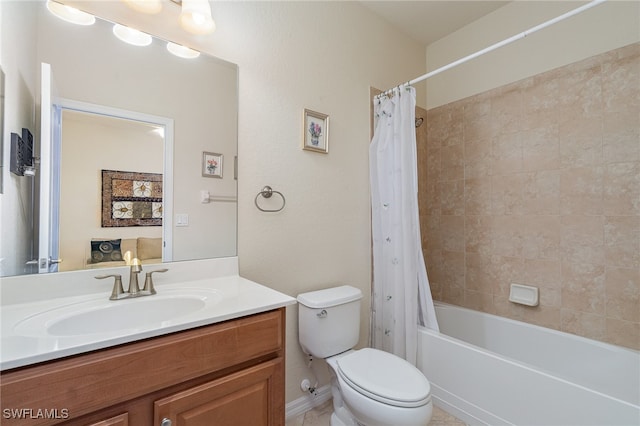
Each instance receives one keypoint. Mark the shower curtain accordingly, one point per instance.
(401, 294)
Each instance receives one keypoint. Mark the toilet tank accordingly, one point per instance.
(329, 320)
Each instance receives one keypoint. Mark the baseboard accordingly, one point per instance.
(307, 402)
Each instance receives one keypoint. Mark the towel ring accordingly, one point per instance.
(267, 192)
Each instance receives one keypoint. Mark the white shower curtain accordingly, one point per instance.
(401, 294)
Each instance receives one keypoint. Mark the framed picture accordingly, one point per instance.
(212, 165)
(316, 131)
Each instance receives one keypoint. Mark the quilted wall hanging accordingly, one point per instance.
(131, 199)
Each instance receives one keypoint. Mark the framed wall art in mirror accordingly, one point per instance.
(212, 164)
(131, 199)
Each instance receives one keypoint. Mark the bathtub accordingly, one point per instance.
(486, 369)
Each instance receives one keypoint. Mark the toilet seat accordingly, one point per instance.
(384, 377)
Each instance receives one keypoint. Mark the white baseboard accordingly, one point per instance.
(307, 402)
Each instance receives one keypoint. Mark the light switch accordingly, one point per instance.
(182, 219)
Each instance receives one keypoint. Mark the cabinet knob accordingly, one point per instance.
(165, 422)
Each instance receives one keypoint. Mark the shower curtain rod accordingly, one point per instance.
(494, 46)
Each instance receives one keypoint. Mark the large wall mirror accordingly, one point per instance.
(92, 68)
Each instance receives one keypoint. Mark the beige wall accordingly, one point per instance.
(295, 55)
(602, 28)
(120, 145)
(18, 61)
(538, 183)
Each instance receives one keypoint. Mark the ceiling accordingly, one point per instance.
(429, 20)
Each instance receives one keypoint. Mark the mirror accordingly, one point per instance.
(199, 95)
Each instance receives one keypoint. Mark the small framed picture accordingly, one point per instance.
(212, 165)
(316, 131)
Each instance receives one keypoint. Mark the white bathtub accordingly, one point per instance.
(486, 369)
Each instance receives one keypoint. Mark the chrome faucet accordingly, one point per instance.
(118, 292)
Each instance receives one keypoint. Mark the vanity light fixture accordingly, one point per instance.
(70, 14)
(196, 17)
(145, 6)
(131, 36)
(182, 51)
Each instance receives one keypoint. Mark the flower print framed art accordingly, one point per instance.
(316, 131)
(212, 165)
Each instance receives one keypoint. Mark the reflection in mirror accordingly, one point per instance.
(135, 147)
(1, 130)
(91, 66)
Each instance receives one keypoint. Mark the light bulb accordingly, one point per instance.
(196, 17)
(70, 14)
(145, 6)
(131, 36)
(182, 51)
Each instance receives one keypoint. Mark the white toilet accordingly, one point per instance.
(369, 387)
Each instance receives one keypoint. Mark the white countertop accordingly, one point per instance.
(24, 339)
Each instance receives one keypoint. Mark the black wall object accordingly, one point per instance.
(21, 152)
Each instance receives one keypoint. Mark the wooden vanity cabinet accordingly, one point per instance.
(230, 373)
(121, 420)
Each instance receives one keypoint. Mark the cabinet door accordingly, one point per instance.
(121, 420)
(249, 397)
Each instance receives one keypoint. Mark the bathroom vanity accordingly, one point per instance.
(223, 364)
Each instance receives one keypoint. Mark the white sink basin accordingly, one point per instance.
(101, 316)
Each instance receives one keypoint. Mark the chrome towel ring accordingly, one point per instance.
(267, 192)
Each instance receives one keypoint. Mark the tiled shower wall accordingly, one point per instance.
(538, 183)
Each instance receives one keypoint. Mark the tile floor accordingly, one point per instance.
(320, 416)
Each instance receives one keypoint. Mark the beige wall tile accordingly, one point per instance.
(541, 148)
(476, 120)
(583, 324)
(479, 301)
(477, 196)
(477, 158)
(621, 136)
(479, 276)
(452, 162)
(541, 237)
(506, 153)
(539, 184)
(507, 238)
(541, 194)
(582, 239)
(622, 189)
(452, 198)
(506, 271)
(581, 142)
(583, 287)
(507, 194)
(479, 234)
(506, 112)
(581, 190)
(452, 233)
(547, 276)
(622, 241)
(624, 333)
(621, 84)
(623, 293)
(543, 315)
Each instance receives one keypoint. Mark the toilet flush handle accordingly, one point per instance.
(322, 314)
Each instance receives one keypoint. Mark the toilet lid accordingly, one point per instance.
(385, 377)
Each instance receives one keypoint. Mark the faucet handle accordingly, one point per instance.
(148, 281)
(118, 291)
